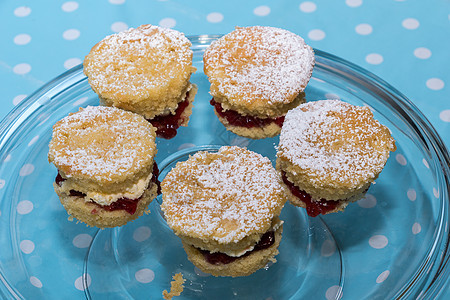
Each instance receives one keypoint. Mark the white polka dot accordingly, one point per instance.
(168, 23)
(72, 62)
(445, 115)
(117, 1)
(332, 96)
(18, 98)
(142, 233)
(2, 183)
(69, 6)
(22, 11)
(71, 34)
(328, 248)
(22, 39)
(36, 282)
(26, 170)
(333, 292)
(425, 163)
(316, 35)
(21, 69)
(26, 246)
(401, 159)
(214, 17)
(81, 281)
(82, 240)
(412, 195)
(410, 23)
(363, 29)
(144, 275)
(307, 7)
(422, 53)
(435, 84)
(416, 228)
(368, 201)
(378, 241)
(374, 58)
(200, 272)
(80, 101)
(436, 193)
(383, 276)
(33, 140)
(262, 10)
(353, 3)
(119, 26)
(25, 207)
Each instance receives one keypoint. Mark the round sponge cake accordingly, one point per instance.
(331, 152)
(224, 203)
(145, 70)
(259, 71)
(104, 157)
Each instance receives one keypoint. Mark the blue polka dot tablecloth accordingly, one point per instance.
(404, 42)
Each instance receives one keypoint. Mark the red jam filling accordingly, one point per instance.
(166, 126)
(236, 119)
(129, 205)
(219, 258)
(313, 208)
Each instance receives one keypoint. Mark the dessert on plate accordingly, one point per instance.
(329, 154)
(257, 74)
(225, 206)
(145, 70)
(106, 172)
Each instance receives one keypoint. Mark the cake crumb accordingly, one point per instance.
(176, 287)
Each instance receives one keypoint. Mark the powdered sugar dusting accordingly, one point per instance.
(224, 196)
(102, 143)
(331, 140)
(265, 63)
(136, 60)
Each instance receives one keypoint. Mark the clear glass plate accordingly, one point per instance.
(391, 244)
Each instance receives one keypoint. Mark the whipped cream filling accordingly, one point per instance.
(133, 192)
(250, 248)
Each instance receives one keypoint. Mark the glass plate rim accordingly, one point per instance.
(399, 102)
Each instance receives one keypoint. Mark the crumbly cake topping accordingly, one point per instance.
(224, 196)
(333, 141)
(135, 62)
(259, 64)
(176, 287)
(103, 143)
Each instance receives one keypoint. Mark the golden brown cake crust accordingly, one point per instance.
(258, 70)
(223, 196)
(145, 70)
(243, 266)
(93, 215)
(104, 152)
(333, 150)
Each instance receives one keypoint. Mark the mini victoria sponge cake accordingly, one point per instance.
(106, 172)
(329, 154)
(257, 74)
(145, 70)
(225, 206)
